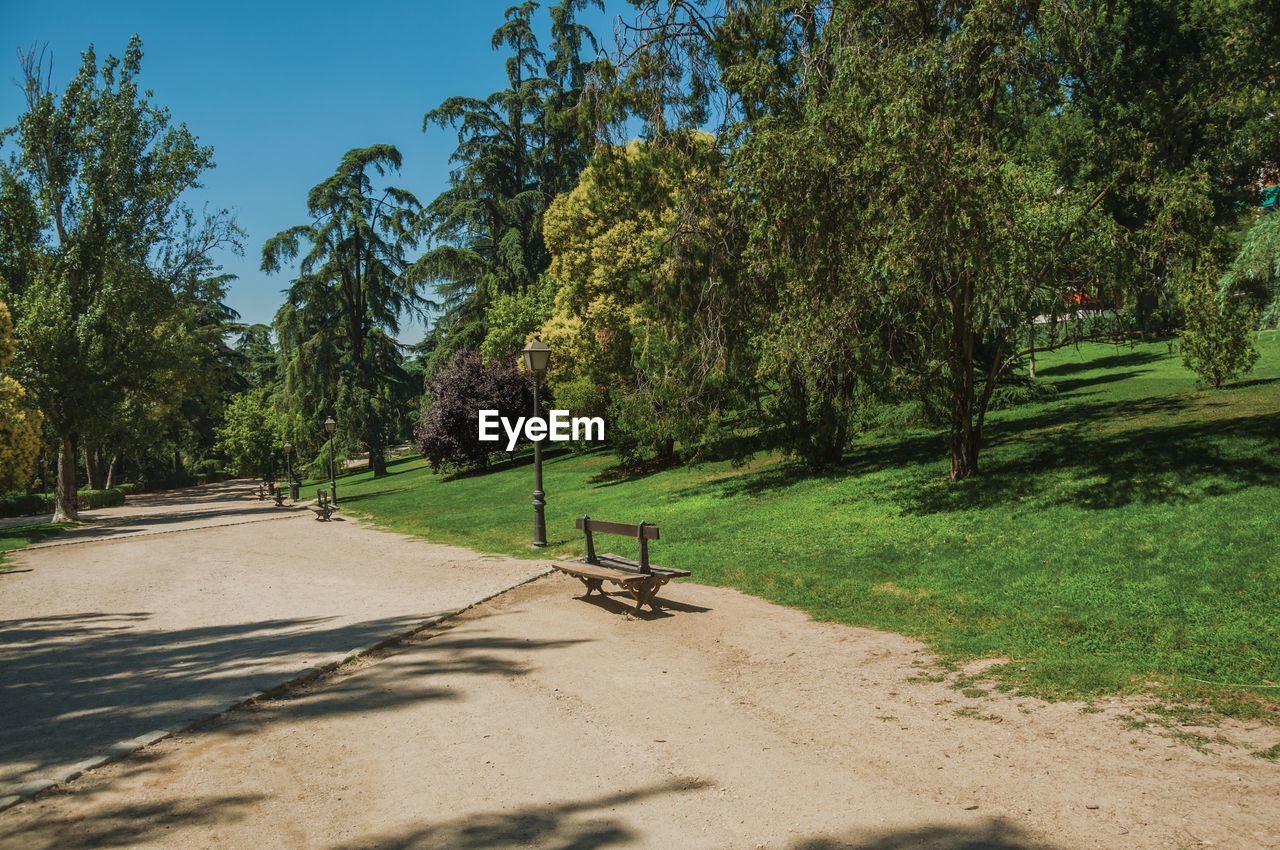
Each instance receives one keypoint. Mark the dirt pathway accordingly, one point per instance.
(540, 720)
(164, 609)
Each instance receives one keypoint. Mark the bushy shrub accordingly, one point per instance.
(129, 488)
(25, 504)
(449, 432)
(1217, 347)
(90, 499)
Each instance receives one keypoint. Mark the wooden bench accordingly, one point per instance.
(323, 507)
(278, 495)
(261, 491)
(641, 579)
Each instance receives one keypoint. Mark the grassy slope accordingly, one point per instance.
(1121, 535)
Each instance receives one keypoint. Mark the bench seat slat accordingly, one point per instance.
(604, 573)
(620, 563)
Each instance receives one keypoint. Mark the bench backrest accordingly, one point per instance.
(322, 497)
(642, 531)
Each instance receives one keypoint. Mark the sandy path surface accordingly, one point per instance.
(162, 610)
(541, 720)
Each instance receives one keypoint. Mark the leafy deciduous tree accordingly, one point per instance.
(103, 169)
(449, 431)
(19, 422)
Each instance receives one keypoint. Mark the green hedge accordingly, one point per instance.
(89, 499)
(30, 504)
(129, 488)
(23, 504)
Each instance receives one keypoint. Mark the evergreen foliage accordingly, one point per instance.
(337, 327)
(517, 149)
(1254, 275)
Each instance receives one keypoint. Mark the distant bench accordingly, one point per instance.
(278, 495)
(640, 579)
(323, 507)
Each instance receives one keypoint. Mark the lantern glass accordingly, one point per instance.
(329, 425)
(536, 355)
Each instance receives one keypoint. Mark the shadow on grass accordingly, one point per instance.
(1095, 455)
(349, 498)
(1254, 382)
(620, 474)
(1128, 360)
(17, 536)
(509, 463)
(1175, 464)
(873, 455)
(1071, 386)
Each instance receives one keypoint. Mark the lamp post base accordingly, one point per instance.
(539, 521)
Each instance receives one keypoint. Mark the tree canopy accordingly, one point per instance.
(337, 327)
(104, 248)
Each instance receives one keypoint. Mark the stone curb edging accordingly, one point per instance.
(120, 750)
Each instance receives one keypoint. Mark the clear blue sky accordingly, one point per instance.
(282, 90)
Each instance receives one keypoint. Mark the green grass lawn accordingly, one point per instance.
(1122, 537)
(21, 536)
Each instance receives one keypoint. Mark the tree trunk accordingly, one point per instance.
(965, 438)
(111, 472)
(378, 462)
(666, 449)
(1031, 339)
(91, 477)
(64, 492)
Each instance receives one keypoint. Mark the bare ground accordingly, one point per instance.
(541, 720)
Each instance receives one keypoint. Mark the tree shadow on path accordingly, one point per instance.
(128, 825)
(993, 834)
(574, 825)
(73, 684)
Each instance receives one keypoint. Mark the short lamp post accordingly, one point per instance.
(288, 466)
(536, 355)
(329, 426)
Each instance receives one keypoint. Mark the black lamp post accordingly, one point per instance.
(288, 467)
(329, 425)
(536, 355)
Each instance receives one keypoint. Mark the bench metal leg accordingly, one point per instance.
(644, 592)
(592, 584)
